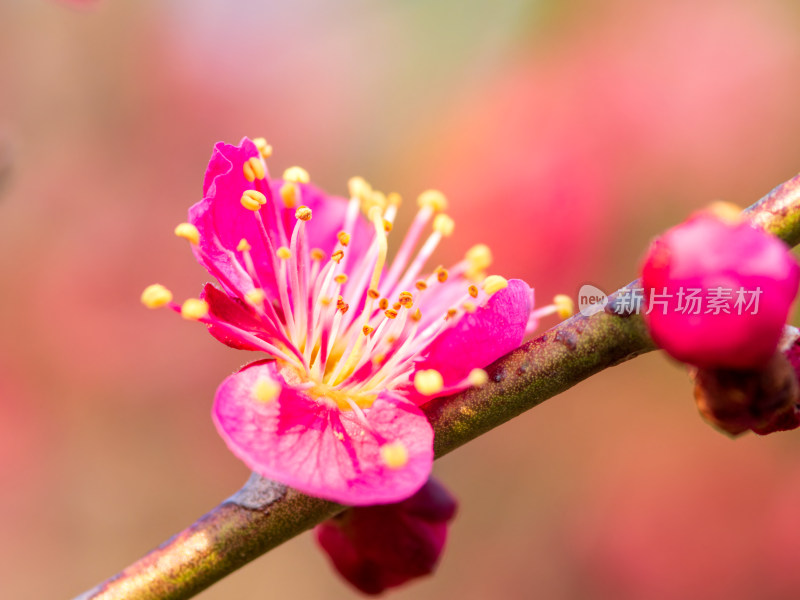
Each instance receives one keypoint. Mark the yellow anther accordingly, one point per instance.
(289, 194)
(469, 307)
(433, 199)
(394, 455)
(478, 377)
(343, 237)
(391, 339)
(373, 293)
(257, 196)
(194, 309)
(250, 203)
(479, 258)
(397, 306)
(406, 297)
(726, 212)
(428, 382)
(344, 308)
(284, 253)
(263, 147)
(394, 199)
(317, 254)
(473, 291)
(243, 246)
(366, 330)
(442, 274)
(444, 225)
(255, 296)
(266, 390)
(325, 301)
(374, 200)
(303, 213)
(421, 285)
(189, 232)
(565, 307)
(253, 169)
(156, 296)
(494, 283)
(387, 226)
(391, 313)
(378, 359)
(296, 175)
(383, 304)
(359, 188)
(341, 279)
(337, 256)
(378, 199)
(417, 316)
(253, 199)
(451, 312)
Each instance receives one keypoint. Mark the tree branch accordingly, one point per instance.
(264, 514)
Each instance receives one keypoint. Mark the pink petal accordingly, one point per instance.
(479, 338)
(378, 547)
(222, 221)
(236, 313)
(316, 447)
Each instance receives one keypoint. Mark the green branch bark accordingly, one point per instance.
(264, 514)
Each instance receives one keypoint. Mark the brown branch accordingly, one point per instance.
(264, 514)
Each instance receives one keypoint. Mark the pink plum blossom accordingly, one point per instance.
(384, 546)
(352, 344)
(750, 272)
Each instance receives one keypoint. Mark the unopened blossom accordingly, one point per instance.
(384, 546)
(351, 343)
(746, 277)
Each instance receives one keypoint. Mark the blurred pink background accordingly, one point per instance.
(566, 134)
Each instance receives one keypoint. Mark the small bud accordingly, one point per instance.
(749, 275)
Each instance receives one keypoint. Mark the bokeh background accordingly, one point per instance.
(567, 133)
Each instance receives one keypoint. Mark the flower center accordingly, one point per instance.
(345, 326)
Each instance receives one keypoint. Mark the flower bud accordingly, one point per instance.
(384, 546)
(743, 281)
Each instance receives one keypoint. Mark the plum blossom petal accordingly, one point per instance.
(234, 312)
(223, 222)
(479, 338)
(379, 547)
(314, 446)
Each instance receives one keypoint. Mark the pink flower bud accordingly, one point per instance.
(718, 292)
(384, 546)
